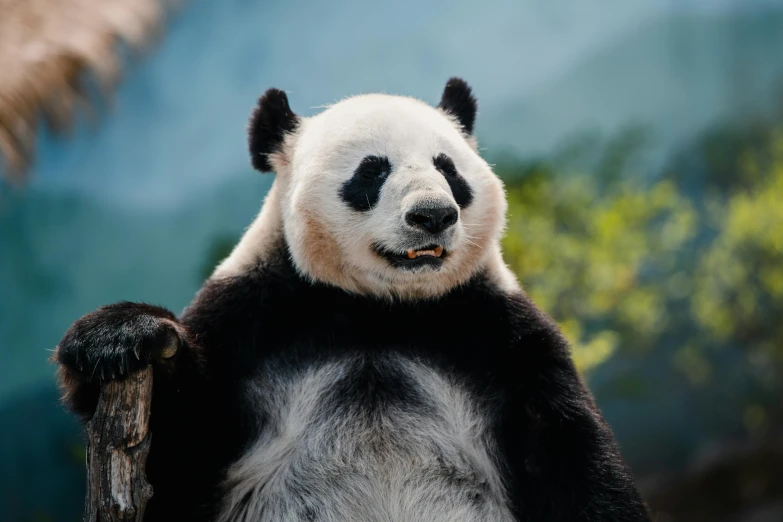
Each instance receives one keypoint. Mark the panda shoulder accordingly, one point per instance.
(253, 293)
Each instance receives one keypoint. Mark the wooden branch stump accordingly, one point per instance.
(117, 448)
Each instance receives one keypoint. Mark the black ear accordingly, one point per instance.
(271, 120)
(458, 100)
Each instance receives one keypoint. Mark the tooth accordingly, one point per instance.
(438, 251)
(411, 254)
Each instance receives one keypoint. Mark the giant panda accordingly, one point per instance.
(363, 354)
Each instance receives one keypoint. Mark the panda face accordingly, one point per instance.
(387, 195)
(429, 210)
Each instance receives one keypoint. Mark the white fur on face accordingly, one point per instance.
(332, 243)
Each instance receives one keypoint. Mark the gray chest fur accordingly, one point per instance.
(323, 457)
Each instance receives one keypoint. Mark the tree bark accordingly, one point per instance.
(117, 448)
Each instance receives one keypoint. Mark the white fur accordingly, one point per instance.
(395, 465)
(331, 243)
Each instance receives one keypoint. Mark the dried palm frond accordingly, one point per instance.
(53, 54)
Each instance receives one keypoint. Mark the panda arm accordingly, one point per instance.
(562, 456)
(116, 340)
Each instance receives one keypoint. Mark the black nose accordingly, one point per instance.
(434, 220)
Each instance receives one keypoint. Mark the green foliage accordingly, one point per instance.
(739, 278)
(691, 260)
(595, 257)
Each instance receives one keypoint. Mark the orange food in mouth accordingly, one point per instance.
(435, 252)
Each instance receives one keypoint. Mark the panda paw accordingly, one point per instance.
(117, 340)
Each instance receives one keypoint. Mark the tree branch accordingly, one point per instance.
(117, 448)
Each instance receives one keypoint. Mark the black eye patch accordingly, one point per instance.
(460, 189)
(362, 191)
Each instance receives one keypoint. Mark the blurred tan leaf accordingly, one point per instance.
(53, 54)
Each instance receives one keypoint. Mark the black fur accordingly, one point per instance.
(374, 384)
(362, 191)
(271, 120)
(460, 188)
(562, 462)
(458, 100)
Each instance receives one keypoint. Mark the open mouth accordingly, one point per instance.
(431, 251)
(430, 255)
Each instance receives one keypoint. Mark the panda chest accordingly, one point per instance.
(366, 437)
(329, 328)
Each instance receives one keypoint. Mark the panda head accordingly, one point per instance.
(380, 194)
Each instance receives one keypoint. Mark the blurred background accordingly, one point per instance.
(641, 143)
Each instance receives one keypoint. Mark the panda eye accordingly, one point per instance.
(374, 167)
(460, 188)
(444, 164)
